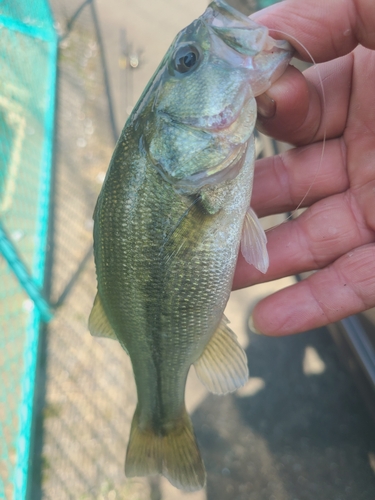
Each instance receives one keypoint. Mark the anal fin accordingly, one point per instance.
(99, 324)
(222, 367)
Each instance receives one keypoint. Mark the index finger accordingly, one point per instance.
(328, 29)
(308, 109)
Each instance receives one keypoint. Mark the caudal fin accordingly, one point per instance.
(175, 455)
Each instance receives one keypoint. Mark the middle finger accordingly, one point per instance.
(324, 232)
(299, 177)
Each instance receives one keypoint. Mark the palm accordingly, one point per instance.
(336, 234)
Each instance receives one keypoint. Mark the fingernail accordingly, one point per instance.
(266, 106)
(252, 327)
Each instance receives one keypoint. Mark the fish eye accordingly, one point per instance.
(186, 58)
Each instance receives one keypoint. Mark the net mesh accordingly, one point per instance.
(88, 397)
(28, 43)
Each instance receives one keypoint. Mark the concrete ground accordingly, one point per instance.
(297, 431)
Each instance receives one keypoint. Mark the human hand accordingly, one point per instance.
(336, 234)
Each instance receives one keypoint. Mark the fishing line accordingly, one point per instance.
(323, 121)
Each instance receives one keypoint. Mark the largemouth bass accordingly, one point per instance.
(173, 210)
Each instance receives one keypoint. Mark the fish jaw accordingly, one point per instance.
(243, 42)
(221, 150)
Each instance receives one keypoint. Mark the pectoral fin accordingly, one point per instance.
(254, 242)
(222, 367)
(188, 231)
(99, 325)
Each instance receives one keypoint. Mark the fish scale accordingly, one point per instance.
(168, 225)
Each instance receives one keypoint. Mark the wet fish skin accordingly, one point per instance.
(168, 226)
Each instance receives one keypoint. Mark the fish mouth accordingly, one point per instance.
(225, 171)
(220, 121)
(223, 119)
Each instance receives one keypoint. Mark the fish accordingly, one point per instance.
(171, 217)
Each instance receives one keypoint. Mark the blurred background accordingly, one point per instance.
(71, 71)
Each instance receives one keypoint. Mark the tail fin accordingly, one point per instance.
(175, 455)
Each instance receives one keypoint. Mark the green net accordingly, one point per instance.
(27, 96)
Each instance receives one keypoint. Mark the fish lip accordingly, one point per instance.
(215, 175)
(217, 122)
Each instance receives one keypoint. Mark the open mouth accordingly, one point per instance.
(220, 121)
(225, 118)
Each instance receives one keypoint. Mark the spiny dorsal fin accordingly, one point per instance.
(254, 242)
(223, 367)
(99, 325)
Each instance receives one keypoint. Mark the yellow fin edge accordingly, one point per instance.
(175, 455)
(222, 367)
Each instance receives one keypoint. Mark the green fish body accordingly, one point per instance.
(169, 221)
